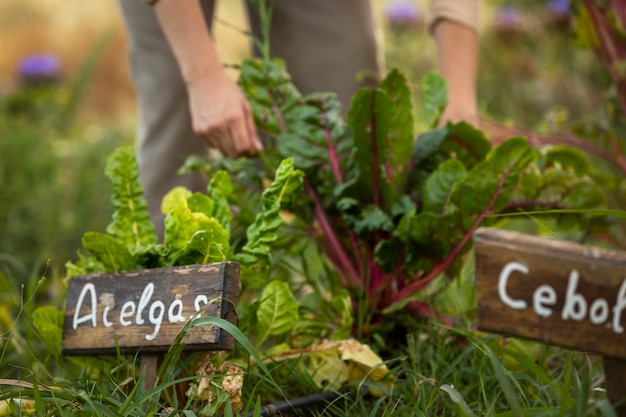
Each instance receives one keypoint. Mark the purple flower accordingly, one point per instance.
(508, 16)
(559, 7)
(403, 11)
(39, 65)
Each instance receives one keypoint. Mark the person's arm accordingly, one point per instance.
(454, 27)
(220, 113)
(457, 51)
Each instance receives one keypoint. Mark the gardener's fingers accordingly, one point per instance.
(222, 117)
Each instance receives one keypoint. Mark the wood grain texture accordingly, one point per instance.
(146, 310)
(580, 291)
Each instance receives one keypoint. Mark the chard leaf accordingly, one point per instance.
(466, 143)
(459, 200)
(567, 157)
(48, 320)
(370, 117)
(318, 140)
(110, 252)
(399, 141)
(489, 186)
(342, 306)
(84, 265)
(181, 222)
(131, 222)
(268, 88)
(434, 92)
(173, 199)
(205, 246)
(220, 188)
(428, 144)
(200, 203)
(310, 129)
(255, 256)
(277, 312)
(372, 219)
(440, 184)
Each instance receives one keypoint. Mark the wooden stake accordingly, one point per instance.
(615, 373)
(149, 366)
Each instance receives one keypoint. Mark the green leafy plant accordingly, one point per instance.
(393, 210)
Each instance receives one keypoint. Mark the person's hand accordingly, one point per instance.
(222, 117)
(220, 114)
(458, 111)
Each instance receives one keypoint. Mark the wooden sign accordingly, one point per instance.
(553, 291)
(146, 310)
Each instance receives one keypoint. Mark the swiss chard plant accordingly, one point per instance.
(391, 209)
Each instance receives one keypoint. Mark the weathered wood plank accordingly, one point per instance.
(553, 291)
(146, 310)
(615, 375)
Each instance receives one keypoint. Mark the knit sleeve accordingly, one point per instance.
(464, 12)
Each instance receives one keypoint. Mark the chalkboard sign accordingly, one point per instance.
(147, 309)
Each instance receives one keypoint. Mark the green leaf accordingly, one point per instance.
(567, 157)
(220, 189)
(399, 141)
(466, 143)
(342, 305)
(255, 257)
(182, 223)
(434, 92)
(48, 320)
(205, 246)
(373, 219)
(489, 186)
(200, 203)
(440, 185)
(110, 252)
(428, 144)
(370, 117)
(277, 312)
(131, 222)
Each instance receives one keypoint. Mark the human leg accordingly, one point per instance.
(165, 137)
(325, 43)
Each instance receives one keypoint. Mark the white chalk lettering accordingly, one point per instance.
(91, 316)
(148, 309)
(128, 310)
(599, 311)
(544, 295)
(575, 304)
(157, 318)
(105, 319)
(198, 303)
(619, 306)
(108, 300)
(504, 278)
(143, 301)
(175, 312)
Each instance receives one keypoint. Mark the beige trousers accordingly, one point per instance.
(325, 44)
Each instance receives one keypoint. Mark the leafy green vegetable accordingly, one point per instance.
(434, 97)
(278, 311)
(131, 222)
(255, 256)
(110, 252)
(48, 320)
